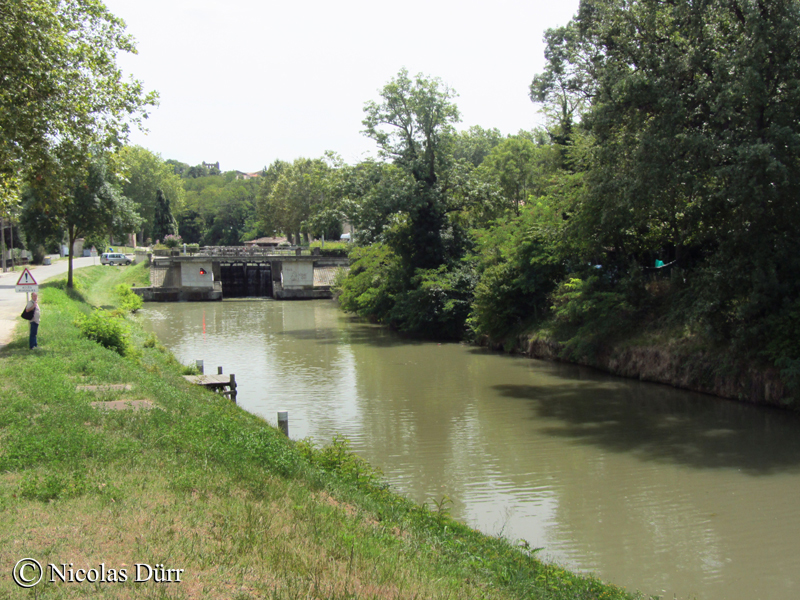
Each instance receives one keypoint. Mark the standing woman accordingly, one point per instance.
(33, 305)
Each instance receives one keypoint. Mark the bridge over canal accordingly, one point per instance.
(218, 272)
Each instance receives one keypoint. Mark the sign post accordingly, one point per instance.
(26, 283)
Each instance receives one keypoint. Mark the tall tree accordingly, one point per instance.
(411, 124)
(567, 85)
(164, 223)
(92, 206)
(694, 134)
(145, 174)
(475, 144)
(61, 90)
(293, 196)
(372, 194)
(265, 208)
(519, 166)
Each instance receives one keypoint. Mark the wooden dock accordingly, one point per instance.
(224, 384)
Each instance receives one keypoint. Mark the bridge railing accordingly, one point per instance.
(251, 252)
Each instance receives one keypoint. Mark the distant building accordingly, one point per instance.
(210, 166)
(241, 175)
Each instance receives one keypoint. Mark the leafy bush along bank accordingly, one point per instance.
(197, 483)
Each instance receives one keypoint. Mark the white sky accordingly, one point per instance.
(244, 82)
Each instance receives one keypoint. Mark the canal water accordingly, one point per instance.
(651, 488)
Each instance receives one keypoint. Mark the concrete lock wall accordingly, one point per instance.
(197, 275)
(297, 275)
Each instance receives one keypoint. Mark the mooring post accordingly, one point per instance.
(219, 370)
(233, 387)
(199, 364)
(283, 422)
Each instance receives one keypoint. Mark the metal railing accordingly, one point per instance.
(251, 252)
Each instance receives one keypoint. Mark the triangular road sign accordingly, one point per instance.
(26, 278)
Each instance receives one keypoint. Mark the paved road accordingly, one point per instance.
(12, 302)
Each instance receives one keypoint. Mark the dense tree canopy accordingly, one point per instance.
(673, 139)
(145, 175)
(219, 210)
(693, 142)
(518, 166)
(412, 124)
(63, 104)
(61, 90)
(93, 205)
(289, 202)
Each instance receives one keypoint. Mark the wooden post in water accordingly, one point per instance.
(199, 364)
(219, 370)
(233, 387)
(283, 422)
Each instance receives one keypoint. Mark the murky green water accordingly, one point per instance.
(651, 488)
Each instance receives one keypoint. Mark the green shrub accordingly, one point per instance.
(337, 457)
(437, 302)
(370, 286)
(519, 267)
(595, 311)
(782, 343)
(334, 252)
(128, 300)
(106, 329)
(335, 249)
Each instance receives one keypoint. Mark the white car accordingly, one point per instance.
(114, 258)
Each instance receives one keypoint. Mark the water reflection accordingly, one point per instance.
(652, 488)
(654, 423)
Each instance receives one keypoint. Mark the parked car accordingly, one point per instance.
(114, 258)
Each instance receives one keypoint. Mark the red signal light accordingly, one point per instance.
(203, 272)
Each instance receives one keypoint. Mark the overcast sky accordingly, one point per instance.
(245, 82)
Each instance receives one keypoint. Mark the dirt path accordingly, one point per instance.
(12, 302)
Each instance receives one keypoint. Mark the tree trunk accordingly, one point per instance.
(72, 237)
(11, 243)
(3, 241)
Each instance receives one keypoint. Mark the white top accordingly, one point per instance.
(37, 312)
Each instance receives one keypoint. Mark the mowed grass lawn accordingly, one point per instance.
(196, 484)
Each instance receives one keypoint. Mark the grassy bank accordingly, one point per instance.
(196, 483)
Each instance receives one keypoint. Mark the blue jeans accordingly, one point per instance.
(32, 340)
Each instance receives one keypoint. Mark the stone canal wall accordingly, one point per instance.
(698, 371)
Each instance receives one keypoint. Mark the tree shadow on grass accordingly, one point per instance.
(658, 423)
(71, 292)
